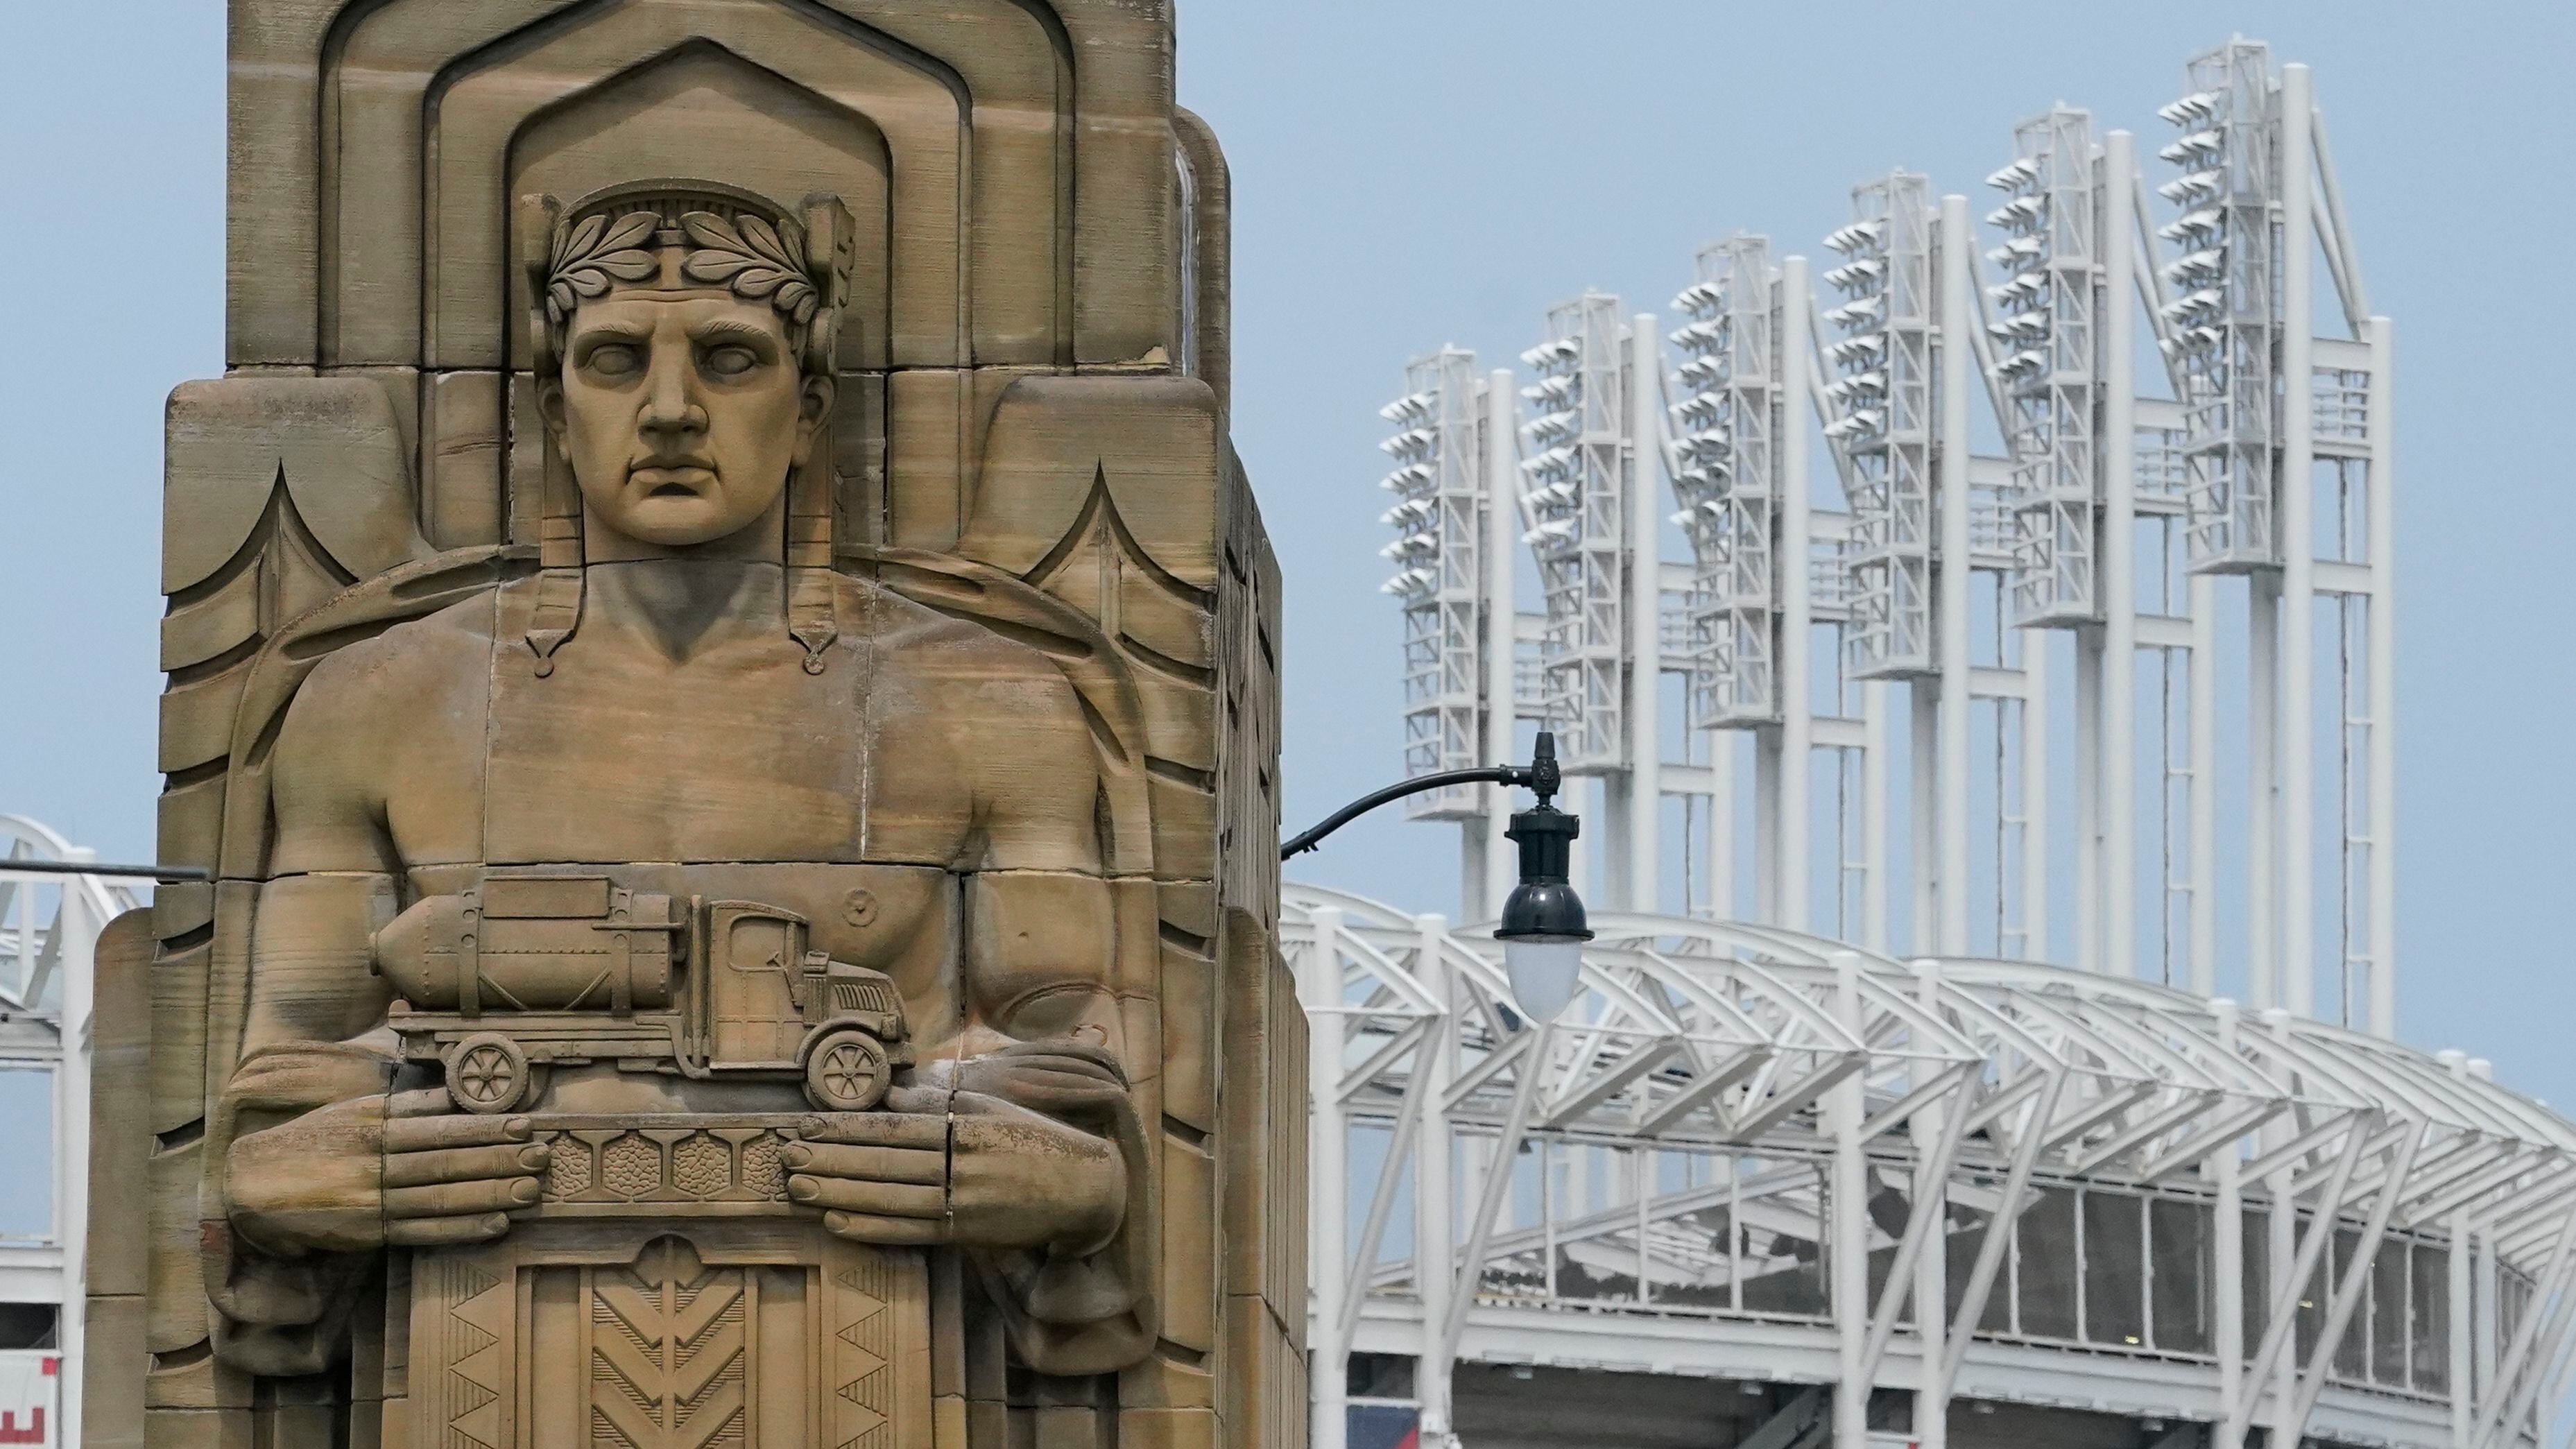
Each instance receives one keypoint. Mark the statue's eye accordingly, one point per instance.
(614, 359)
(731, 361)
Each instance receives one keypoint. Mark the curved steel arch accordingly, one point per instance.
(1887, 1102)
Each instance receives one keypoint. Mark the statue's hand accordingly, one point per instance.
(994, 1175)
(452, 1178)
(376, 1171)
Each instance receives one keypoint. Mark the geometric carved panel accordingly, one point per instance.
(703, 1335)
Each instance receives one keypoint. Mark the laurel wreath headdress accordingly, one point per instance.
(801, 269)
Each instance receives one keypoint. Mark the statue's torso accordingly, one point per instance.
(730, 774)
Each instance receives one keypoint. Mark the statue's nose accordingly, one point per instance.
(669, 406)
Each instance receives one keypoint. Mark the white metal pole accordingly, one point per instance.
(1958, 315)
(2088, 798)
(2203, 794)
(1644, 515)
(1922, 780)
(2034, 796)
(1876, 702)
(2227, 1259)
(2383, 683)
(2262, 750)
(2116, 563)
(1434, 1214)
(2462, 1337)
(76, 936)
(1328, 1194)
(1502, 633)
(2297, 543)
(1722, 748)
(1797, 498)
(1766, 828)
(1849, 1218)
(1931, 1268)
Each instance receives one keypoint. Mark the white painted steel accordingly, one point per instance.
(1497, 714)
(49, 929)
(2118, 524)
(1712, 1065)
(1918, 580)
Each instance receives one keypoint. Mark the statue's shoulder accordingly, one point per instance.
(412, 661)
(945, 639)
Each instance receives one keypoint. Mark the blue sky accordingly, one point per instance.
(1409, 174)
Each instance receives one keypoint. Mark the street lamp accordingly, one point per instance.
(1543, 927)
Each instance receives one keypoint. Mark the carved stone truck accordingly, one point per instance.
(528, 972)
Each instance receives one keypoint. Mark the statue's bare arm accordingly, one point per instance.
(321, 1155)
(1013, 1137)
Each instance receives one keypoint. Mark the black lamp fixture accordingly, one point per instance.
(1543, 928)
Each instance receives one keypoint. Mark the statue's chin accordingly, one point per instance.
(678, 522)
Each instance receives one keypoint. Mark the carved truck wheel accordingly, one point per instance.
(847, 1072)
(487, 1073)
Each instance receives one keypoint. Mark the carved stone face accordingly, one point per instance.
(681, 411)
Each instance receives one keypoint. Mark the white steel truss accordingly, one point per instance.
(49, 930)
(1749, 1152)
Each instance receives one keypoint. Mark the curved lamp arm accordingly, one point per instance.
(1540, 776)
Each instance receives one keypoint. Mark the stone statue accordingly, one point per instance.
(729, 936)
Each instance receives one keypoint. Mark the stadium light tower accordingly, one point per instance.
(1882, 403)
(2225, 298)
(1454, 717)
(2047, 334)
(1723, 477)
(1572, 475)
(2290, 478)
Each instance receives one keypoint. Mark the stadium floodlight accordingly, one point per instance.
(1411, 408)
(1855, 275)
(1858, 310)
(1552, 354)
(2200, 147)
(1856, 236)
(2022, 289)
(2021, 213)
(2017, 174)
(2020, 328)
(1699, 410)
(2194, 187)
(1698, 297)
(2195, 228)
(1549, 392)
(1858, 385)
(1411, 445)
(1864, 349)
(2191, 109)
(1410, 582)
(2020, 252)
(1550, 429)
(1700, 336)
(2199, 269)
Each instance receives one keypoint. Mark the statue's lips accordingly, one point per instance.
(673, 480)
